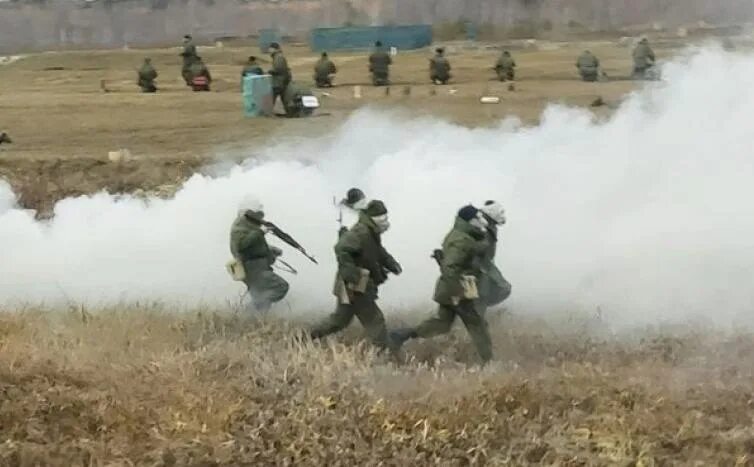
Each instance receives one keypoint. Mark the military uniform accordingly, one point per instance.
(379, 66)
(493, 288)
(292, 104)
(360, 251)
(281, 75)
(463, 251)
(201, 79)
(588, 66)
(644, 59)
(147, 75)
(439, 69)
(248, 245)
(505, 67)
(323, 71)
(189, 57)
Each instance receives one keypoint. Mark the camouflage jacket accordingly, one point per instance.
(463, 250)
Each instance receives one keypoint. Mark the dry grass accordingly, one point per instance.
(151, 387)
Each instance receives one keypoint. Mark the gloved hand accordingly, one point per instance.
(265, 229)
(276, 251)
(396, 268)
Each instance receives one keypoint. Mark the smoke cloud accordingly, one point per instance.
(648, 215)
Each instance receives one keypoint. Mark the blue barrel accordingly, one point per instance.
(257, 95)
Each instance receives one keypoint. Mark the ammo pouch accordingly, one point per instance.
(361, 285)
(470, 289)
(236, 270)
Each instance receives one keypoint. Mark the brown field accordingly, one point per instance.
(64, 125)
(152, 388)
(149, 386)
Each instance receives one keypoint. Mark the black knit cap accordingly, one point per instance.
(376, 208)
(353, 196)
(468, 212)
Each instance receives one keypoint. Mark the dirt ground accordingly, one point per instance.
(64, 124)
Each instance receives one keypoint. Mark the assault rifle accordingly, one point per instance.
(285, 237)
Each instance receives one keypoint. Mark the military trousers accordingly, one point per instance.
(475, 324)
(365, 308)
(266, 288)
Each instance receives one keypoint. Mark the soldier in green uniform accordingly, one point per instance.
(505, 67)
(588, 66)
(292, 101)
(644, 59)
(281, 73)
(324, 71)
(363, 265)
(379, 65)
(201, 79)
(461, 267)
(439, 67)
(249, 247)
(147, 75)
(252, 68)
(493, 288)
(189, 55)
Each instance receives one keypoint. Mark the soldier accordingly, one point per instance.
(439, 67)
(281, 73)
(249, 247)
(147, 75)
(644, 59)
(189, 56)
(363, 265)
(252, 68)
(505, 67)
(379, 66)
(293, 103)
(461, 266)
(588, 66)
(356, 201)
(201, 79)
(324, 71)
(493, 288)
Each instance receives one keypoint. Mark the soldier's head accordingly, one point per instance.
(186, 38)
(440, 51)
(473, 216)
(493, 212)
(644, 41)
(378, 212)
(252, 59)
(274, 47)
(506, 53)
(251, 207)
(147, 60)
(324, 54)
(4, 138)
(355, 199)
(378, 44)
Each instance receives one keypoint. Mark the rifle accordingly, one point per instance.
(279, 233)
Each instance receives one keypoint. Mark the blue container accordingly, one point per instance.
(267, 37)
(360, 38)
(471, 31)
(257, 95)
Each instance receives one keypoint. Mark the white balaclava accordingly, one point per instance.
(479, 222)
(382, 222)
(494, 211)
(250, 203)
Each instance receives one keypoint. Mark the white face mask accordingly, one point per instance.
(479, 222)
(382, 222)
(360, 205)
(495, 212)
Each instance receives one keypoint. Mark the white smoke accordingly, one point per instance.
(648, 215)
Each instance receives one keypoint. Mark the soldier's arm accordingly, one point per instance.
(454, 257)
(249, 238)
(389, 262)
(346, 251)
(333, 69)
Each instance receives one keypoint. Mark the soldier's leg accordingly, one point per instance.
(335, 322)
(268, 288)
(476, 325)
(371, 317)
(438, 324)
